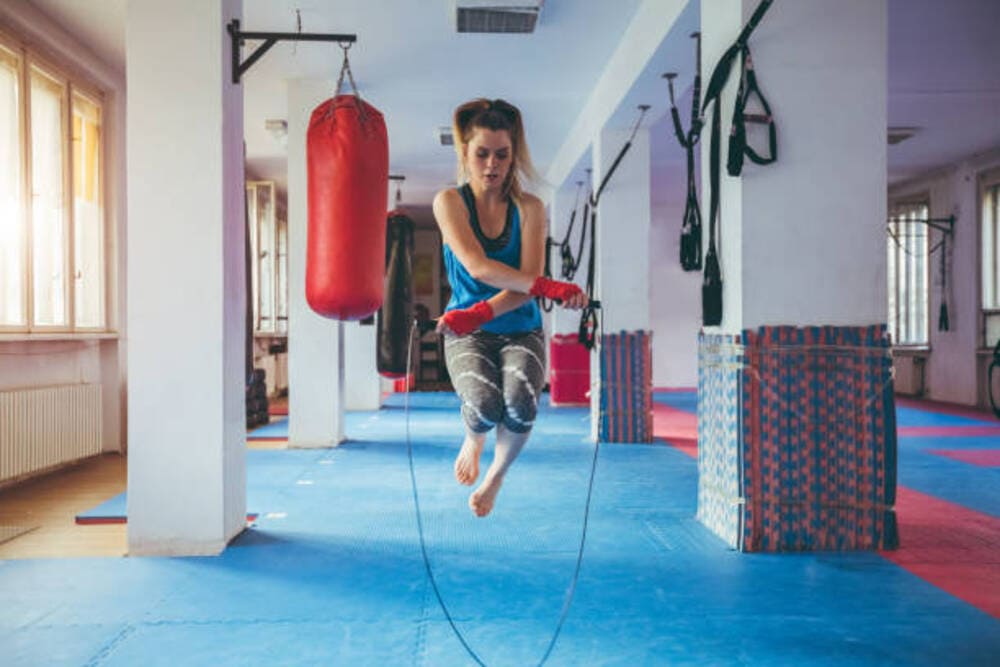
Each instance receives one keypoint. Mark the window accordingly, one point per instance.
(269, 251)
(990, 258)
(13, 312)
(907, 273)
(52, 226)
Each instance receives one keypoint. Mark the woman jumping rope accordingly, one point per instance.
(494, 252)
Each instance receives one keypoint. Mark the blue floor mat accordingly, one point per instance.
(276, 428)
(332, 573)
(113, 510)
(907, 416)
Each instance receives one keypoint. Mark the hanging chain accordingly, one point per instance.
(345, 68)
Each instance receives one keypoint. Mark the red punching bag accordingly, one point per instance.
(347, 153)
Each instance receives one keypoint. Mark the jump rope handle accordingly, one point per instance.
(593, 303)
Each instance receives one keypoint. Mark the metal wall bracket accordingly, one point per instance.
(943, 225)
(270, 39)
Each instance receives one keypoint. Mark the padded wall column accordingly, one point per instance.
(795, 399)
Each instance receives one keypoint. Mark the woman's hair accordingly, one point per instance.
(495, 115)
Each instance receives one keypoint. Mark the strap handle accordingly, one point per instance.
(738, 146)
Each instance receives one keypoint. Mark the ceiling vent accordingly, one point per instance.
(898, 135)
(445, 136)
(497, 16)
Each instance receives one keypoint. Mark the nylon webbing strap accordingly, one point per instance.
(690, 243)
(711, 289)
(738, 146)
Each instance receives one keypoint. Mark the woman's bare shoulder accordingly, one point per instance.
(447, 202)
(532, 208)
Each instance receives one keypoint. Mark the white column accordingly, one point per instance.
(362, 387)
(315, 344)
(803, 239)
(186, 279)
(622, 253)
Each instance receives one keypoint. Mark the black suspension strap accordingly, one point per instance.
(738, 146)
(587, 332)
(943, 323)
(711, 288)
(690, 246)
(594, 198)
(571, 262)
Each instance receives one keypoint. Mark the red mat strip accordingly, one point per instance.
(946, 431)
(676, 427)
(949, 546)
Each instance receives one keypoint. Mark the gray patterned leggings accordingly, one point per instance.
(499, 377)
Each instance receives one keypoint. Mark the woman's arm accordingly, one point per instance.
(533, 231)
(452, 219)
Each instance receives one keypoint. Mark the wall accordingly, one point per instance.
(675, 295)
(952, 365)
(37, 362)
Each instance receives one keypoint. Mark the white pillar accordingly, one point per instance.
(362, 386)
(186, 279)
(323, 379)
(803, 239)
(315, 343)
(622, 252)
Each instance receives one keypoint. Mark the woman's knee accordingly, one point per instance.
(520, 411)
(482, 412)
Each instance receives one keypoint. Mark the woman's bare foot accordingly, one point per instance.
(467, 462)
(482, 499)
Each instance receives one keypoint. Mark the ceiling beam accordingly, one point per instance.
(650, 25)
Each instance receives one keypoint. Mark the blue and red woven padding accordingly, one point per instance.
(797, 439)
(626, 387)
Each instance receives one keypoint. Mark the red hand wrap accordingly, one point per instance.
(554, 289)
(468, 319)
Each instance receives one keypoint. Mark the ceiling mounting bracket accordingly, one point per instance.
(270, 39)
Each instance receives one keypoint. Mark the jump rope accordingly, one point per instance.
(570, 591)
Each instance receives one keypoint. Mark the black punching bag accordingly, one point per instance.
(396, 314)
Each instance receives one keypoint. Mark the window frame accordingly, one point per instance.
(278, 223)
(29, 56)
(917, 199)
(986, 180)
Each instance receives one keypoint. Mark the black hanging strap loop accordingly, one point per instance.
(690, 241)
(588, 318)
(738, 146)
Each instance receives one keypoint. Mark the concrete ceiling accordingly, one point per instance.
(410, 62)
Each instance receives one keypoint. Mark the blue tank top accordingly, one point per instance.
(506, 248)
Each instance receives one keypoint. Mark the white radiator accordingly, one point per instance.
(47, 427)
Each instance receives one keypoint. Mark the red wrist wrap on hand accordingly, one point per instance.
(467, 320)
(554, 289)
